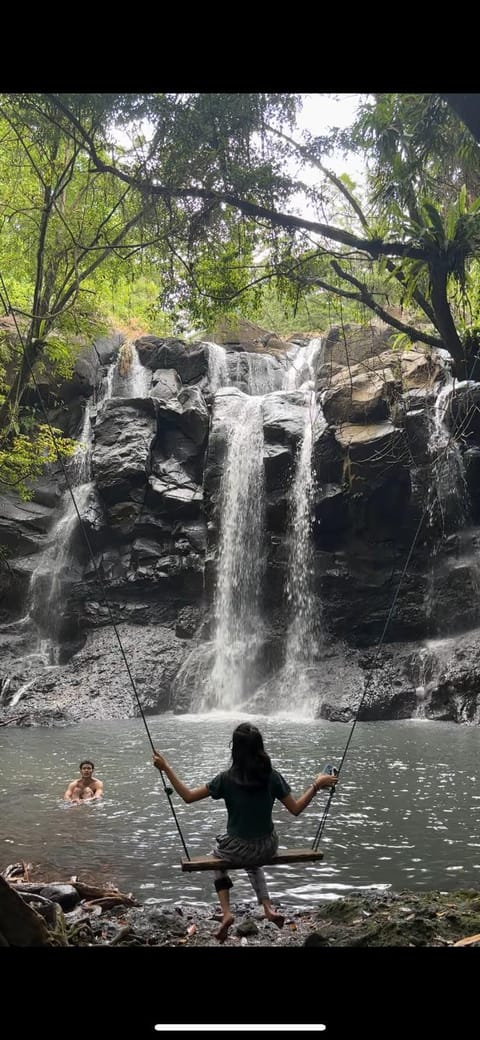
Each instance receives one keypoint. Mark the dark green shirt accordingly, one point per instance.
(249, 807)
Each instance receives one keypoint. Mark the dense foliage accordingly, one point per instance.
(165, 210)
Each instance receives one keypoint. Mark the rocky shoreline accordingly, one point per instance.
(346, 993)
(386, 919)
(79, 913)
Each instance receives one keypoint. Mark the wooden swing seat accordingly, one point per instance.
(283, 856)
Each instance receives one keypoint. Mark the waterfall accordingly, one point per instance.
(130, 378)
(54, 572)
(448, 470)
(50, 575)
(305, 631)
(108, 382)
(255, 374)
(48, 578)
(240, 559)
(263, 375)
(217, 366)
(300, 371)
(448, 500)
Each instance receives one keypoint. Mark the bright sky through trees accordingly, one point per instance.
(320, 113)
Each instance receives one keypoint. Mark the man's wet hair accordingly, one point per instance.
(87, 762)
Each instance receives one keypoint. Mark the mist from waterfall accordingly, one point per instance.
(240, 559)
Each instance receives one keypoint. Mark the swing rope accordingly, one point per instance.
(460, 428)
(323, 819)
(5, 300)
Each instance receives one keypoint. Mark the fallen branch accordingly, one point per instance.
(468, 940)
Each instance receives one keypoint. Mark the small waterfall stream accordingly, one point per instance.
(128, 377)
(449, 492)
(448, 501)
(217, 367)
(305, 631)
(46, 587)
(53, 572)
(240, 559)
(305, 636)
(448, 512)
(301, 365)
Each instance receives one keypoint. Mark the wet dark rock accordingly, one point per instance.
(95, 684)
(124, 434)
(247, 928)
(107, 347)
(152, 519)
(190, 363)
(23, 524)
(188, 621)
(284, 417)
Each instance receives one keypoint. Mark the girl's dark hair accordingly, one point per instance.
(250, 762)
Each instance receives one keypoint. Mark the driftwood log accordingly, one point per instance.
(31, 912)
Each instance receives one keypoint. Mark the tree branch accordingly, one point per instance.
(370, 301)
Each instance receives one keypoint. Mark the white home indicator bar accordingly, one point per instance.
(234, 1027)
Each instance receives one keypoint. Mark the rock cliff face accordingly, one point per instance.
(366, 456)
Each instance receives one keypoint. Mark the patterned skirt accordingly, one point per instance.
(243, 853)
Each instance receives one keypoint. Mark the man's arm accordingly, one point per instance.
(69, 792)
(98, 792)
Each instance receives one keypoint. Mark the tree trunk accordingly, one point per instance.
(443, 317)
(20, 925)
(31, 354)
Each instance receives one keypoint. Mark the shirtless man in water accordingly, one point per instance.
(85, 788)
(81, 794)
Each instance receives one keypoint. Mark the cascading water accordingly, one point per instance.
(217, 367)
(233, 677)
(48, 578)
(301, 365)
(254, 373)
(448, 498)
(299, 585)
(448, 470)
(53, 572)
(240, 560)
(108, 382)
(263, 377)
(296, 687)
(130, 378)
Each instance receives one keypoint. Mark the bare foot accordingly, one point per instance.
(222, 933)
(276, 918)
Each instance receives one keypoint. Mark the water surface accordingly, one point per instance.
(405, 815)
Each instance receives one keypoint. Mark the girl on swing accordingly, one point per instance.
(249, 788)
